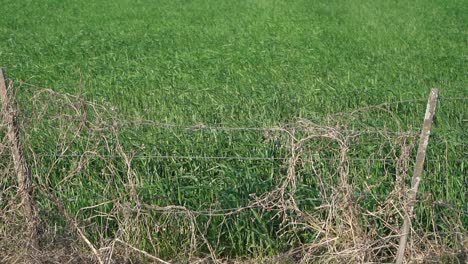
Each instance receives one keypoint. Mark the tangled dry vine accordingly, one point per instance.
(323, 199)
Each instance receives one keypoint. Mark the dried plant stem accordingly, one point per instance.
(146, 254)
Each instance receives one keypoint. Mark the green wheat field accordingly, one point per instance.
(157, 68)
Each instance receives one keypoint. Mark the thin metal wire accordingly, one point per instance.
(443, 98)
(160, 157)
(270, 129)
(200, 127)
(450, 207)
(129, 155)
(21, 83)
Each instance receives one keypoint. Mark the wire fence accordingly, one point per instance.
(333, 191)
(176, 157)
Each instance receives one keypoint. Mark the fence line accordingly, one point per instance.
(451, 207)
(129, 155)
(337, 203)
(285, 128)
(264, 129)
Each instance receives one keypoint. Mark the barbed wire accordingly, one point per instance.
(438, 136)
(448, 98)
(131, 156)
(283, 128)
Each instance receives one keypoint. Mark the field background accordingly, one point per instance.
(238, 62)
(246, 63)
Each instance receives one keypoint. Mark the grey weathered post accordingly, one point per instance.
(418, 169)
(21, 168)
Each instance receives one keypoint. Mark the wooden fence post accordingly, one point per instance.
(21, 168)
(418, 169)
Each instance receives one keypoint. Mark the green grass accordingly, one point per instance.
(242, 63)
